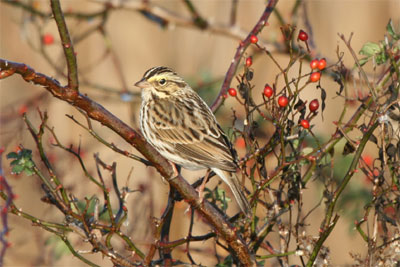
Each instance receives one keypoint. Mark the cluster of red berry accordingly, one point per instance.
(313, 106)
(316, 64)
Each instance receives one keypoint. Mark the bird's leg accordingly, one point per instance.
(202, 186)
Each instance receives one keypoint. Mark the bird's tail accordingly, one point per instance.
(231, 179)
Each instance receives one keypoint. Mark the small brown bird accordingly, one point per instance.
(181, 127)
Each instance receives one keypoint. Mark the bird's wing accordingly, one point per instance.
(190, 126)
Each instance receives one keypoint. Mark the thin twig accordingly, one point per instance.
(73, 82)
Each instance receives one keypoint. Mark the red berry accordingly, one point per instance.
(368, 160)
(311, 158)
(283, 101)
(240, 142)
(48, 39)
(268, 91)
(249, 61)
(305, 124)
(4, 210)
(314, 64)
(315, 76)
(253, 39)
(232, 92)
(22, 109)
(322, 64)
(303, 35)
(314, 105)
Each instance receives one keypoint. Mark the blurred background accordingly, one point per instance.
(113, 55)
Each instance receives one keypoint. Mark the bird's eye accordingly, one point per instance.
(162, 81)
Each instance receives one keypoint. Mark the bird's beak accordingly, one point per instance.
(142, 83)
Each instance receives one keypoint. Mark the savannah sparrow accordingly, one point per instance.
(179, 124)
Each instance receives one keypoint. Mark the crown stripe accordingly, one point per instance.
(155, 71)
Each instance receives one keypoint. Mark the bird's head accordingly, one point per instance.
(161, 82)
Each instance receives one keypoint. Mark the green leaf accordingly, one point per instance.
(27, 153)
(381, 58)
(14, 162)
(228, 261)
(369, 49)
(260, 263)
(296, 143)
(390, 30)
(12, 155)
(29, 164)
(17, 169)
(220, 194)
(28, 172)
